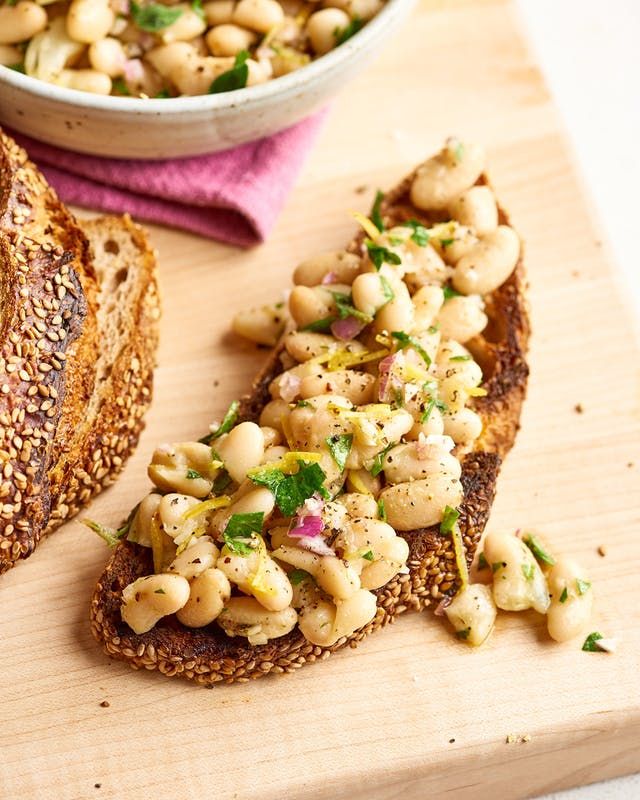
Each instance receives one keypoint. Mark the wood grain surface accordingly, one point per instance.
(411, 713)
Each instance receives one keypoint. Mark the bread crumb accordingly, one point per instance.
(451, 741)
(630, 464)
(579, 408)
(97, 785)
(361, 189)
(602, 550)
(105, 704)
(517, 738)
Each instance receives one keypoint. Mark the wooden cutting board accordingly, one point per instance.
(411, 713)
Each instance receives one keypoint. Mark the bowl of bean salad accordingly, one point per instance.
(198, 76)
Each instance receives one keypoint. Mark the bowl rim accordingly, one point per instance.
(212, 102)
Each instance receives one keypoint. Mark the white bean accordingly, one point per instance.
(444, 176)
(9, 55)
(463, 426)
(371, 291)
(241, 449)
(258, 15)
(322, 27)
(428, 268)
(20, 22)
(108, 56)
(168, 57)
(359, 505)
(244, 616)
(218, 12)
(229, 39)
(571, 600)
(477, 209)
(139, 530)
(419, 504)
(462, 318)
(89, 20)
(397, 314)
(273, 413)
(340, 265)
(85, 80)
(195, 74)
(195, 559)
(427, 302)
(188, 25)
(148, 599)
(472, 613)
(518, 581)
(358, 387)
(415, 460)
(263, 325)
(209, 592)
(259, 575)
(489, 263)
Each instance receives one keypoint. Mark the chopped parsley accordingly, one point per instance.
(163, 94)
(290, 491)
(564, 596)
(405, 340)
(347, 309)
(196, 6)
(590, 645)
(464, 633)
(303, 404)
(239, 533)
(528, 571)
(376, 216)
(154, 17)
(221, 482)
(234, 78)
(433, 328)
(380, 255)
(111, 535)
(368, 555)
(433, 403)
(535, 545)
(582, 586)
(449, 519)
(420, 234)
(482, 561)
(226, 425)
(120, 86)
(160, 591)
(460, 358)
(378, 461)
(193, 475)
(340, 446)
(319, 324)
(298, 575)
(342, 35)
(387, 291)
(382, 511)
(446, 242)
(450, 292)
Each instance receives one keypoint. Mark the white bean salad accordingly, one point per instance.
(169, 49)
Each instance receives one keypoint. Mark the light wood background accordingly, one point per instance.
(411, 713)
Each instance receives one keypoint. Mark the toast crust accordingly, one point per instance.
(208, 656)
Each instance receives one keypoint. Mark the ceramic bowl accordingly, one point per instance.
(126, 127)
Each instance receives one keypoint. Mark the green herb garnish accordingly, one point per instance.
(239, 532)
(420, 234)
(341, 35)
(446, 242)
(221, 482)
(347, 309)
(405, 340)
(582, 586)
(535, 545)
(234, 78)
(460, 358)
(368, 555)
(290, 491)
(225, 426)
(382, 511)
(378, 461)
(163, 94)
(482, 561)
(564, 596)
(450, 292)
(193, 475)
(387, 291)
(376, 216)
(303, 404)
(160, 591)
(319, 325)
(449, 519)
(528, 571)
(196, 6)
(590, 645)
(463, 634)
(340, 446)
(153, 17)
(17, 67)
(380, 255)
(298, 575)
(110, 535)
(121, 87)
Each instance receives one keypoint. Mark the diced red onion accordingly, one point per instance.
(388, 381)
(348, 328)
(444, 603)
(147, 41)
(310, 525)
(133, 70)
(315, 544)
(289, 386)
(330, 277)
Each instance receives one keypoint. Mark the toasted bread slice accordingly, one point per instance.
(77, 331)
(208, 655)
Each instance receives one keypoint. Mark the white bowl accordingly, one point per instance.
(127, 127)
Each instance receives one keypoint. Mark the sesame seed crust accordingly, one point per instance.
(207, 655)
(64, 432)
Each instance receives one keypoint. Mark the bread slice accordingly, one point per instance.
(208, 655)
(59, 357)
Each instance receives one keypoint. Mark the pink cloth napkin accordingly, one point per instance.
(234, 196)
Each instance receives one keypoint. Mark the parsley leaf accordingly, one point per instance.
(341, 35)
(196, 6)
(450, 292)
(410, 341)
(482, 561)
(535, 545)
(463, 634)
(226, 425)
(154, 17)
(193, 475)
(368, 555)
(340, 446)
(163, 94)
(382, 511)
(221, 482)
(290, 491)
(298, 575)
(319, 324)
(378, 461)
(303, 404)
(234, 78)
(590, 645)
(564, 596)
(449, 519)
(446, 242)
(111, 535)
(238, 535)
(420, 234)
(160, 591)
(387, 291)
(527, 571)
(376, 216)
(346, 308)
(582, 586)
(380, 255)
(17, 67)
(460, 358)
